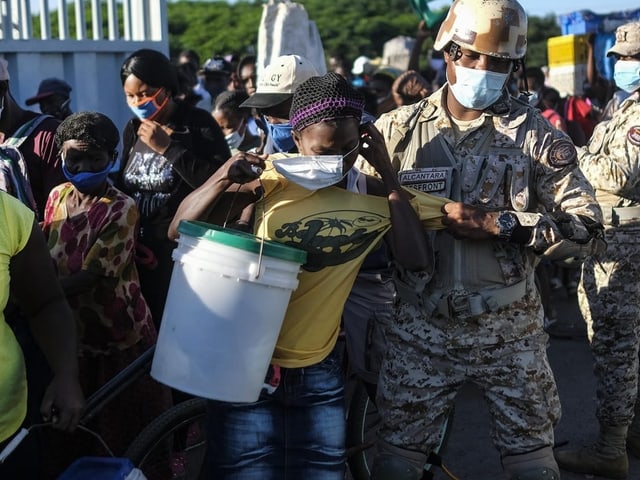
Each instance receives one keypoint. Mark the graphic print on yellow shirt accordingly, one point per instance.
(337, 229)
(333, 237)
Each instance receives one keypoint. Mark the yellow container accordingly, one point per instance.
(567, 50)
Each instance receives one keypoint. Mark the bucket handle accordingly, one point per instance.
(258, 270)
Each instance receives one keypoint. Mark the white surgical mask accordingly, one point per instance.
(477, 89)
(313, 172)
(234, 139)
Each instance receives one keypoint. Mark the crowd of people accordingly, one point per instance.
(451, 186)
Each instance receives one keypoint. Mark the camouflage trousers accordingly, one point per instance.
(428, 361)
(609, 299)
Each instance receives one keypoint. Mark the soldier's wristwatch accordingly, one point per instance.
(506, 222)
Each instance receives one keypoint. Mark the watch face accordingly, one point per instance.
(507, 222)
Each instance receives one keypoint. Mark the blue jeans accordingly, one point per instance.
(296, 432)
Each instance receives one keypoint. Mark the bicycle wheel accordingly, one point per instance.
(362, 423)
(174, 444)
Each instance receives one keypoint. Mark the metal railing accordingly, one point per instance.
(81, 41)
(142, 20)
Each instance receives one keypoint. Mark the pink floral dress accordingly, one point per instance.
(114, 321)
(114, 315)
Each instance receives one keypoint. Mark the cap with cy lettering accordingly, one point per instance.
(279, 79)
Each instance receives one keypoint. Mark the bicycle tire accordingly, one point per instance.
(173, 444)
(362, 421)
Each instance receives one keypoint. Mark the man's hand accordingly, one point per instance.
(243, 167)
(465, 221)
(373, 149)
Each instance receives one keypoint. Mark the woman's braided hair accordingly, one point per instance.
(322, 99)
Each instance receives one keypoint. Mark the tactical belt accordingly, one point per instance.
(462, 305)
(615, 215)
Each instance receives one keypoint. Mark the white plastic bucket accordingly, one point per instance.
(223, 312)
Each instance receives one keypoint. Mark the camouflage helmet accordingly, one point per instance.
(491, 27)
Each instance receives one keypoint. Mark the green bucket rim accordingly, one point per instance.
(241, 240)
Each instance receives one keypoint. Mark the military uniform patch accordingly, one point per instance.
(633, 135)
(434, 180)
(562, 153)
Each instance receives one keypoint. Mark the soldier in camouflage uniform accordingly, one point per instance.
(517, 194)
(609, 293)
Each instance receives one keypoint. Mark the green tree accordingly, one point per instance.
(212, 28)
(350, 28)
(353, 28)
(540, 29)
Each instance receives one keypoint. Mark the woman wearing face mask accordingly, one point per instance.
(91, 228)
(233, 120)
(310, 201)
(169, 149)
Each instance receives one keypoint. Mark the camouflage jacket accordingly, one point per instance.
(513, 161)
(611, 159)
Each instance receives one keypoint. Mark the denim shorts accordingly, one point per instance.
(295, 432)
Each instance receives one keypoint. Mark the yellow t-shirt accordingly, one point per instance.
(16, 222)
(337, 229)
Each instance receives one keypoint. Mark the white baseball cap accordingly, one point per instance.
(279, 80)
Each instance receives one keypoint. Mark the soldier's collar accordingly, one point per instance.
(433, 103)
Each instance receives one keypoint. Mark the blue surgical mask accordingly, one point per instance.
(313, 172)
(626, 74)
(477, 89)
(147, 108)
(281, 137)
(87, 182)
